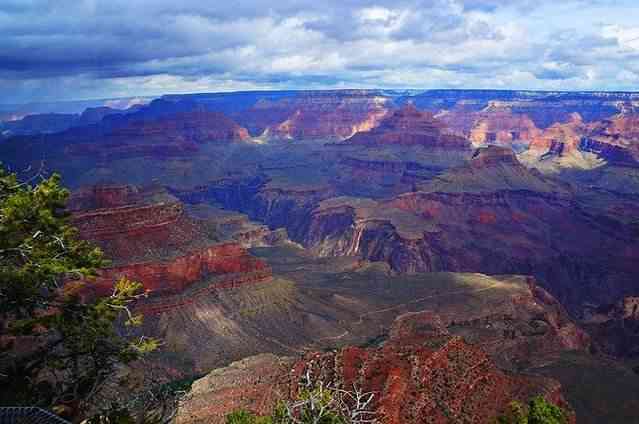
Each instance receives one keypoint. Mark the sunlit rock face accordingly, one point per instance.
(409, 127)
(493, 125)
(576, 144)
(321, 115)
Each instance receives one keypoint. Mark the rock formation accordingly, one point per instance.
(576, 144)
(321, 115)
(615, 328)
(149, 238)
(176, 135)
(481, 204)
(493, 125)
(409, 127)
(421, 374)
(197, 127)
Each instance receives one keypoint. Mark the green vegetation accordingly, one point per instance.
(321, 414)
(58, 342)
(316, 405)
(600, 390)
(538, 411)
(246, 417)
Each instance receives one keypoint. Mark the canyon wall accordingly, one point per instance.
(150, 239)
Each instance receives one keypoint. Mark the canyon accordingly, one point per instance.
(299, 225)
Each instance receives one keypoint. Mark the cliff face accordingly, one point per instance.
(409, 127)
(560, 138)
(279, 206)
(175, 275)
(196, 126)
(492, 216)
(615, 328)
(323, 115)
(421, 374)
(582, 145)
(150, 239)
(178, 134)
(493, 125)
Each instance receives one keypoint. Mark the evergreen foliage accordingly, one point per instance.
(538, 411)
(57, 343)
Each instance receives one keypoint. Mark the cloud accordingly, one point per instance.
(89, 48)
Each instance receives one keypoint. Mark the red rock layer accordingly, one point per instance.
(613, 140)
(620, 131)
(197, 126)
(447, 381)
(421, 374)
(125, 222)
(491, 126)
(173, 135)
(318, 115)
(410, 127)
(127, 219)
(151, 240)
(560, 138)
(493, 156)
(175, 275)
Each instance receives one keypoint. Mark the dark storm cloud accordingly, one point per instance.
(149, 47)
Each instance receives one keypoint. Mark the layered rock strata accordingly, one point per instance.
(421, 374)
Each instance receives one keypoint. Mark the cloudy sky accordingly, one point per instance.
(79, 49)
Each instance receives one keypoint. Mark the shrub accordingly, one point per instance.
(538, 411)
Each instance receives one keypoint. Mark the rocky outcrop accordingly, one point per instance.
(278, 205)
(174, 275)
(486, 217)
(236, 226)
(560, 138)
(174, 135)
(409, 127)
(615, 328)
(421, 374)
(612, 154)
(256, 383)
(502, 127)
(577, 144)
(150, 239)
(318, 115)
(197, 127)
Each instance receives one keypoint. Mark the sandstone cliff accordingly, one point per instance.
(321, 115)
(150, 238)
(408, 127)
